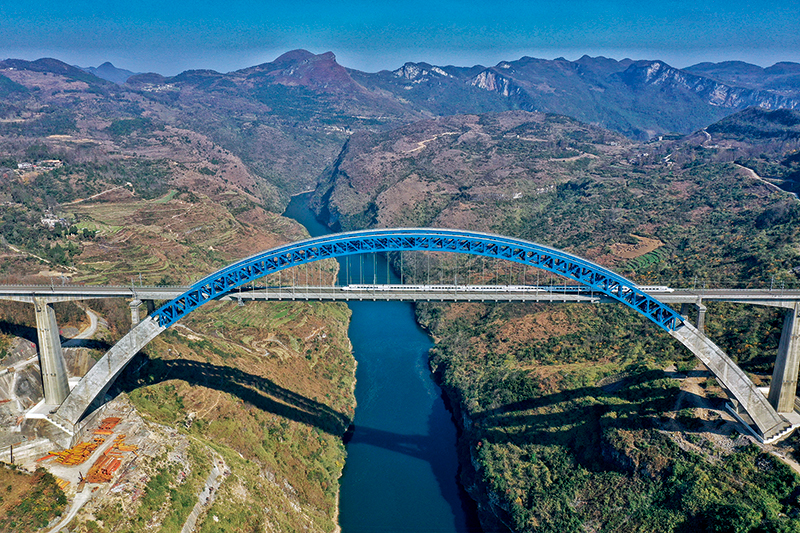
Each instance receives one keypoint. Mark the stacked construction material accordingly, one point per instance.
(77, 454)
(105, 466)
(103, 469)
(62, 483)
(119, 444)
(107, 426)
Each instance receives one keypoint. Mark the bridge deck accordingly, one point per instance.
(776, 297)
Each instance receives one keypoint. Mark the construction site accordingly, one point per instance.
(111, 455)
(114, 457)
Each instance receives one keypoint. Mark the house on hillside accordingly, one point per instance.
(50, 220)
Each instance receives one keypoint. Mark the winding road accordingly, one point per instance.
(772, 186)
(88, 333)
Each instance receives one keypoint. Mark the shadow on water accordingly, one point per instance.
(256, 390)
(426, 448)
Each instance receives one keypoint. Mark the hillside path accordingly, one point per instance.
(80, 499)
(752, 173)
(207, 495)
(422, 144)
(88, 333)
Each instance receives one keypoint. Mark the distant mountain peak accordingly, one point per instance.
(293, 59)
(784, 67)
(299, 57)
(302, 68)
(292, 56)
(109, 72)
(54, 66)
(648, 72)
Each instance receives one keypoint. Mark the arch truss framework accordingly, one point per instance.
(585, 272)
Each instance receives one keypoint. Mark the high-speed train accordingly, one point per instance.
(655, 288)
(572, 289)
(442, 288)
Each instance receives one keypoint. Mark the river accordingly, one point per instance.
(401, 470)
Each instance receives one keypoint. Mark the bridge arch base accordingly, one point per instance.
(766, 422)
(101, 376)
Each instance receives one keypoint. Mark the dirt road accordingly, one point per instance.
(88, 333)
(207, 495)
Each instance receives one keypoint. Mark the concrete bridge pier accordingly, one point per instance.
(51, 358)
(135, 316)
(136, 310)
(783, 387)
(701, 317)
(701, 314)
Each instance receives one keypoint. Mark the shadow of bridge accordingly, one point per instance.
(258, 391)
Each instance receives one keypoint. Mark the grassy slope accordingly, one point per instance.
(28, 502)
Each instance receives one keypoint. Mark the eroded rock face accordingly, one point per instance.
(658, 73)
(28, 388)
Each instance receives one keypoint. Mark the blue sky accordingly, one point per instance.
(174, 35)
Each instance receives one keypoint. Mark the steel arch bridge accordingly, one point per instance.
(587, 273)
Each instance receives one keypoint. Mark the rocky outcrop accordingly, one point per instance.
(492, 81)
(659, 74)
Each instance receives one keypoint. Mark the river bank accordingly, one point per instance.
(401, 467)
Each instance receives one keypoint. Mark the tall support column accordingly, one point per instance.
(135, 316)
(783, 387)
(701, 318)
(51, 358)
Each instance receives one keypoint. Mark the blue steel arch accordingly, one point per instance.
(585, 272)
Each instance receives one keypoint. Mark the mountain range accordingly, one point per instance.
(640, 99)
(171, 176)
(289, 118)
